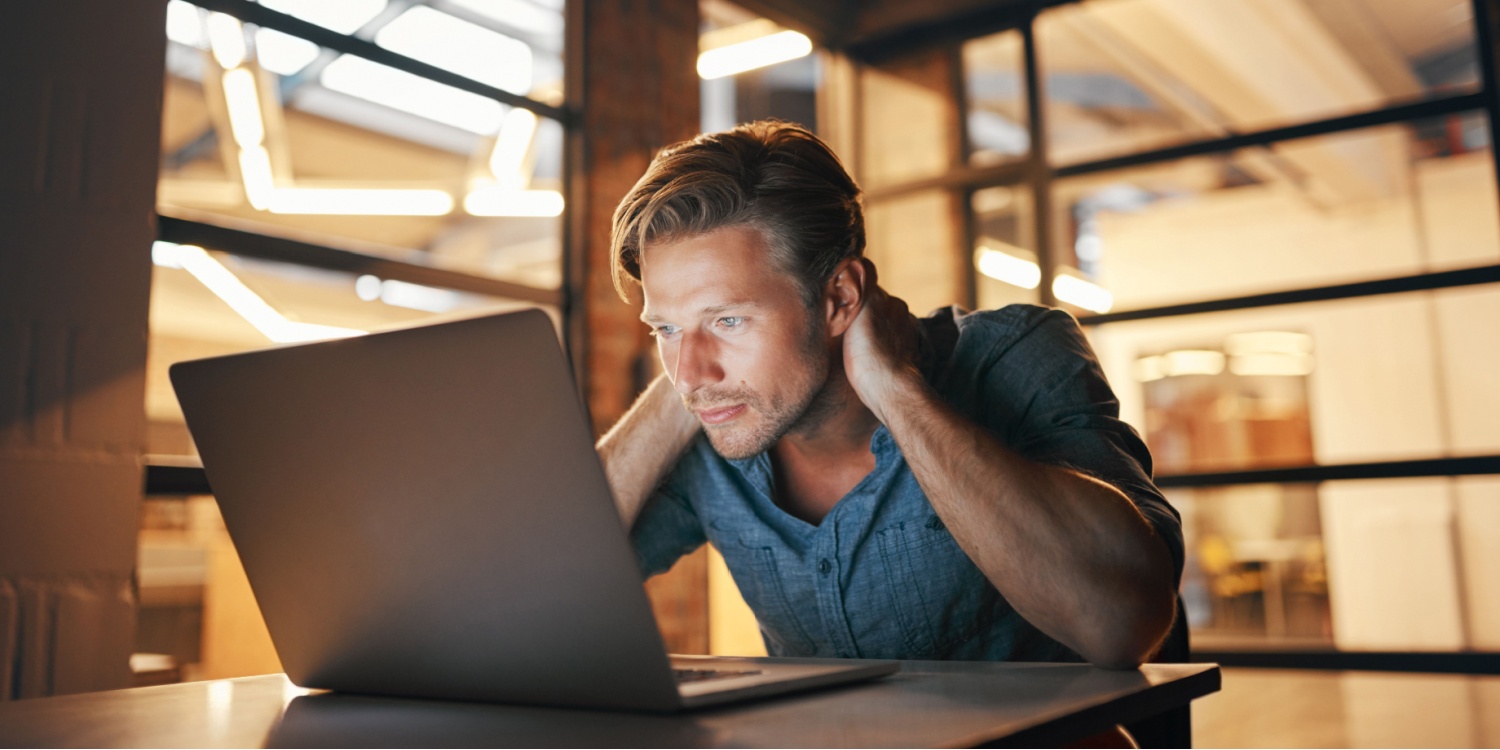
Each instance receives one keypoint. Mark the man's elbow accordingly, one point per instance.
(1136, 636)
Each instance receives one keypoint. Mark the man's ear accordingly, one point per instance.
(844, 295)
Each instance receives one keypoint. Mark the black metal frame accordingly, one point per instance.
(1038, 175)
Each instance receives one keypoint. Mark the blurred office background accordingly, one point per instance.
(1276, 219)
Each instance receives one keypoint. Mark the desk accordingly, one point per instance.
(926, 704)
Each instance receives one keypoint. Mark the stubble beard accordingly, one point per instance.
(775, 417)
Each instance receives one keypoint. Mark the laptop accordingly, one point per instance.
(421, 513)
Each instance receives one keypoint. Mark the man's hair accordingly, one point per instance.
(772, 176)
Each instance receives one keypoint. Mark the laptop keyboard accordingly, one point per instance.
(699, 675)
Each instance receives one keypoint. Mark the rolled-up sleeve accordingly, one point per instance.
(1051, 401)
(667, 527)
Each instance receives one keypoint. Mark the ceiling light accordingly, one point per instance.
(343, 16)
(1268, 342)
(498, 201)
(756, 53)
(508, 160)
(255, 172)
(164, 254)
(1084, 294)
(1193, 362)
(284, 54)
(249, 305)
(518, 14)
(1287, 365)
(244, 107)
(458, 46)
(227, 39)
(361, 202)
(403, 91)
(184, 25)
(367, 288)
(417, 296)
(1152, 368)
(1002, 266)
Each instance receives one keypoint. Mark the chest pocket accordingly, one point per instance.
(756, 572)
(937, 594)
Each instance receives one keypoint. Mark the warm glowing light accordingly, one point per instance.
(164, 254)
(413, 94)
(283, 54)
(255, 172)
(1002, 266)
(367, 287)
(361, 202)
(1080, 293)
(456, 45)
(1285, 365)
(1268, 342)
(518, 14)
(184, 25)
(1152, 368)
(343, 16)
(752, 54)
(497, 201)
(417, 296)
(244, 107)
(226, 37)
(1193, 362)
(508, 160)
(249, 305)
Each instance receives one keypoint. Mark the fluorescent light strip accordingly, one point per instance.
(244, 108)
(249, 305)
(518, 14)
(360, 202)
(184, 25)
(508, 160)
(1084, 294)
(284, 54)
(456, 45)
(1285, 365)
(498, 201)
(756, 53)
(255, 172)
(226, 37)
(1268, 342)
(413, 94)
(1002, 266)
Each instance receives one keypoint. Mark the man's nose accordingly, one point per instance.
(697, 363)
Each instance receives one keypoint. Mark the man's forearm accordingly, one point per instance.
(1072, 554)
(644, 445)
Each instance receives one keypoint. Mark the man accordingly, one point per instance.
(955, 487)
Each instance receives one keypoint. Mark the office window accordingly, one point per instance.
(1410, 198)
(1131, 75)
(307, 192)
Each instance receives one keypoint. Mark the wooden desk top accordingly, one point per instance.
(926, 704)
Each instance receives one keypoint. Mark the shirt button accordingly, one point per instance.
(824, 566)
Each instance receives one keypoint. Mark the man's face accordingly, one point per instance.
(734, 336)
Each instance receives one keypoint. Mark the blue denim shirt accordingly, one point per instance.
(880, 576)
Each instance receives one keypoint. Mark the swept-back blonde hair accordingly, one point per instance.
(770, 175)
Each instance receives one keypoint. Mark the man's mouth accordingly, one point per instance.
(720, 415)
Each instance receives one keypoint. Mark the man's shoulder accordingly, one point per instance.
(966, 338)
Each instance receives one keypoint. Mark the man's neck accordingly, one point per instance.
(817, 463)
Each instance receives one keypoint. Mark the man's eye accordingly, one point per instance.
(663, 331)
(731, 322)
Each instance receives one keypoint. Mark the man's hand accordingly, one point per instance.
(880, 347)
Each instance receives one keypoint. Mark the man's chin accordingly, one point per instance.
(737, 447)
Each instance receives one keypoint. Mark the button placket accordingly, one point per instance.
(830, 591)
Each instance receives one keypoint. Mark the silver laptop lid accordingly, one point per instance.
(421, 513)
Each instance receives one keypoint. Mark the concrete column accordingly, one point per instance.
(640, 94)
(82, 84)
